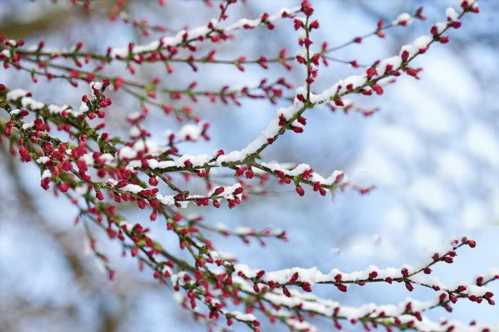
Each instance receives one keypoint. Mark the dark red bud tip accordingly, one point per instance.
(306, 287)
(472, 243)
(300, 190)
(342, 288)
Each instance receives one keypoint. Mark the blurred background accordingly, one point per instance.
(432, 151)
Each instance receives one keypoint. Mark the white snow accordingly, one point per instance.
(404, 18)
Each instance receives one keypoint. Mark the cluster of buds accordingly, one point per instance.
(307, 58)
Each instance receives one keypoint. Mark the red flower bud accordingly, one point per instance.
(299, 190)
